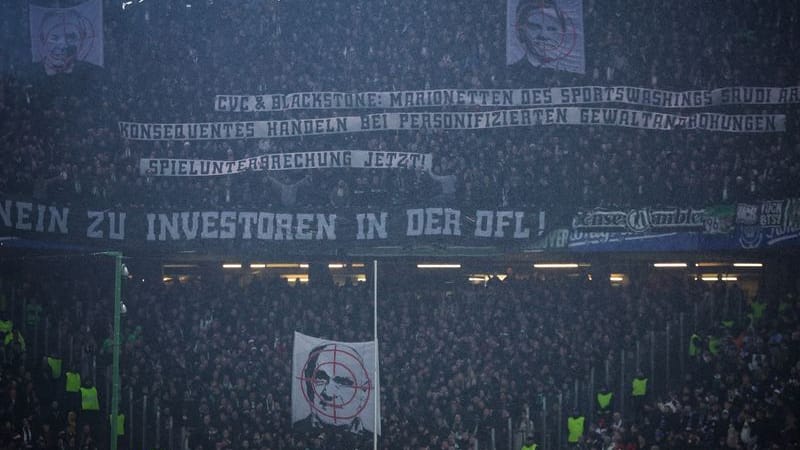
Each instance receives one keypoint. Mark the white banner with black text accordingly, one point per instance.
(329, 159)
(558, 96)
(415, 121)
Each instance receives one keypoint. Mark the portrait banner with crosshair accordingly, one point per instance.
(334, 385)
(63, 39)
(546, 33)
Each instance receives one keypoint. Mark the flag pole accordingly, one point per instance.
(116, 346)
(376, 387)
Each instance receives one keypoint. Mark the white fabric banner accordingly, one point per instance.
(736, 123)
(333, 384)
(557, 96)
(330, 159)
(62, 38)
(546, 33)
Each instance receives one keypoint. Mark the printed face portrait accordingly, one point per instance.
(64, 38)
(542, 30)
(336, 383)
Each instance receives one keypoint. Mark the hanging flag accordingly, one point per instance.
(333, 384)
(61, 38)
(548, 33)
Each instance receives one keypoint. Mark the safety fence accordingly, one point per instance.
(660, 355)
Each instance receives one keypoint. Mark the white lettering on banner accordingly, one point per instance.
(702, 121)
(24, 216)
(236, 224)
(416, 221)
(21, 216)
(116, 225)
(740, 123)
(553, 96)
(374, 225)
(640, 220)
(433, 222)
(331, 159)
(187, 131)
(268, 226)
(251, 226)
(483, 223)
(495, 224)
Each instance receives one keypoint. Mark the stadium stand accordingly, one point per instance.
(531, 361)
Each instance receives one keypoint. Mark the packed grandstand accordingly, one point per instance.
(411, 224)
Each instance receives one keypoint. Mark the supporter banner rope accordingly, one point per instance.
(557, 96)
(331, 159)
(749, 123)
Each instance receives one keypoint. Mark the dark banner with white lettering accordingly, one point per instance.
(774, 224)
(741, 238)
(258, 230)
(714, 219)
(746, 226)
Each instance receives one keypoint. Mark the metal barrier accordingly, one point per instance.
(659, 354)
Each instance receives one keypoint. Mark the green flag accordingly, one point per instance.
(639, 387)
(89, 399)
(15, 336)
(693, 348)
(120, 423)
(55, 366)
(758, 310)
(604, 399)
(719, 218)
(713, 345)
(73, 382)
(575, 428)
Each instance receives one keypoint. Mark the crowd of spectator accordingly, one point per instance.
(165, 61)
(457, 361)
